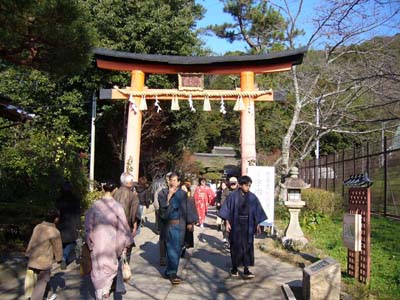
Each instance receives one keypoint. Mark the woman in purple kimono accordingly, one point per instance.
(243, 213)
(107, 236)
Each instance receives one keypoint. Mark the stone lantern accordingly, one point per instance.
(294, 236)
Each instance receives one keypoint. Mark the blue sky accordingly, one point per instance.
(215, 15)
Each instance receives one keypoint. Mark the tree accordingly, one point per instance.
(36, 157)
(342, 78)
(49, 35)
(257, 23)
(154, 27)
(338, 80)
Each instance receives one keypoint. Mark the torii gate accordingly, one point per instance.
(190, 70)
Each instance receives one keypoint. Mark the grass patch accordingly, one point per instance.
(325, 239)
(385, 258)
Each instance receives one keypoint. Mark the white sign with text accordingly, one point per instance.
(352, 231)
(263, 186)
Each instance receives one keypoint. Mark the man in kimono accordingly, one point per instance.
(243, 213)
(177, 215)
(130, 203)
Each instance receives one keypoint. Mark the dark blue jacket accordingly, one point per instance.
(230, 211)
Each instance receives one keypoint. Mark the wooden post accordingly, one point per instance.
(247, 123)
(134, 128)
(359, 262)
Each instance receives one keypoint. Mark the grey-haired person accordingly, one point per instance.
(130, 203)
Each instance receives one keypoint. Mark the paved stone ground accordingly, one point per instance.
(204, 271)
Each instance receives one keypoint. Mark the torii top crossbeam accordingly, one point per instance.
(170, 64)
(245, 65)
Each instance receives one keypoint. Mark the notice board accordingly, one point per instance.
(264, 186)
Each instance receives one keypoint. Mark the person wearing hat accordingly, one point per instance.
(222, 194)
(233, 184)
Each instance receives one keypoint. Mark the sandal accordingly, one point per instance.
(175, 279)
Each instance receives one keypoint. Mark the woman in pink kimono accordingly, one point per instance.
(107, 236)
(203, 195)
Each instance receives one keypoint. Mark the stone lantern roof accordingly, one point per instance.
(293, 181)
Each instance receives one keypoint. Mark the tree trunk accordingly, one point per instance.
(287, 140)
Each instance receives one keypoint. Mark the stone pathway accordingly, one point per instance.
(204, 272)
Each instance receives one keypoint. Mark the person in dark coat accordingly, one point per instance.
(190, 206)
(130, 202)
(177, 217)
(162, 194)
(222, 195)
(143, 191)
(69, 206)
(243, 213)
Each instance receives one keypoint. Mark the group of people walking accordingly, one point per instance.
(112, 223)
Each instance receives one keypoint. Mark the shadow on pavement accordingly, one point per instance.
(151, 255)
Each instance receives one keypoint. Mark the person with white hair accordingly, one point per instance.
(130, 202)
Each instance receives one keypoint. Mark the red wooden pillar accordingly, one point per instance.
(134, 127)
(247, 123)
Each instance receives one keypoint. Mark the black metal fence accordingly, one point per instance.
(381, 161)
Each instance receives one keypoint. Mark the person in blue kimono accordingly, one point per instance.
(243, 213)
(177, 215)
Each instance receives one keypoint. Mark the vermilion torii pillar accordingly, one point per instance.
(247, 66)
(134, 132)
(247, 124)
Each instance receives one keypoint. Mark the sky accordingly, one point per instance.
(215, 15)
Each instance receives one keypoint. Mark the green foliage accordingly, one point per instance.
(35, 158)
(385, 250)
(281, 213)
(257, 23)
(310, 219)
(385, 267)
(212, 175)
(91, 197)
(327, 236)
(34, 167)
(322, 203)
(150, 26)
(52, 36)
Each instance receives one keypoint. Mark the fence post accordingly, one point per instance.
(320, 173)
(326, 172)
(384, 176)
(334, 172)
(368, 159)
(315, 172)
(343, 166)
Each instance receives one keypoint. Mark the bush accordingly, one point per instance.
(90, 198)
(322, 202)
(281, 213)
